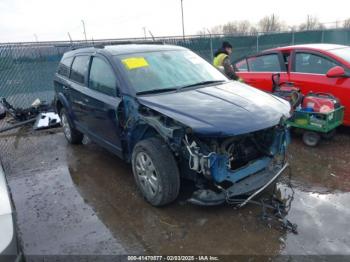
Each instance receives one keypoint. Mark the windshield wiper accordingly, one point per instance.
(156, 91)
(163, 90)
(202, 83)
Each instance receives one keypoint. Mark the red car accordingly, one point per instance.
(314, 67)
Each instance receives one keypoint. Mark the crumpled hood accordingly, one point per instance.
(222, 110)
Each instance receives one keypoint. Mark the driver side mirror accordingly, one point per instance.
(336, 71)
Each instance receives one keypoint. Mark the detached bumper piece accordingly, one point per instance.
(251, 186)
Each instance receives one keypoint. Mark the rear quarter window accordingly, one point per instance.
(64, 66)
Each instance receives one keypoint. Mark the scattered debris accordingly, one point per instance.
(47, 120)
(277, 215)
(23, 123)
(39, 112)
(22, 114)
(274, 209)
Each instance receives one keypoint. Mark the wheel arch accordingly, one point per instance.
(62, 102)
(138, 133)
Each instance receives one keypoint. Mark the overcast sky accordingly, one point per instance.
(51, 20)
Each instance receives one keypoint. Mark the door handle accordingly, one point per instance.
(79, 103)
(65, 87)
(86, 100)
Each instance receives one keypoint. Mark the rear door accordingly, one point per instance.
(101, 102)
(257, 70)
(77, 88)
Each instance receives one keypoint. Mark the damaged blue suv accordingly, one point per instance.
(172, 115)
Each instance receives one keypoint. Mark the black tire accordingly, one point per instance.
(329, 135)
(311, 138)
(72, 135)
(165, 175)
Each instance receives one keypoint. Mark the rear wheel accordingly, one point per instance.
(311, 138)
(155, 171)
(72, 135)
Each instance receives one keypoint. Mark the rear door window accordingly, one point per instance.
(312, 63)
(264, 63)
(79, 68)
(102, 77)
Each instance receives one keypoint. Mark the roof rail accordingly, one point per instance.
(105, 43)
(145, 42)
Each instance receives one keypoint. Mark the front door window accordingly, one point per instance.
(312, 64)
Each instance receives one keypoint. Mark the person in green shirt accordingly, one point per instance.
(222, 60)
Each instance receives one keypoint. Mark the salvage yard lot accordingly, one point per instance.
(83, 200)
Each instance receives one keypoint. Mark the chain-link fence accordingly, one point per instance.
(27, 69)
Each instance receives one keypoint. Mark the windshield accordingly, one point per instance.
(343, 53)
(166, 70)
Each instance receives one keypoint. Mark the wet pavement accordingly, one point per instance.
(83, 200)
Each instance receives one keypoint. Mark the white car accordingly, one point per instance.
(8, 239)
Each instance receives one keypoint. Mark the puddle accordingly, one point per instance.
(185, 228)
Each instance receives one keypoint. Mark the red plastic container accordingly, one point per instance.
(320, 102)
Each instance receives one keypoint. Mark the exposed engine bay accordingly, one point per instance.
(240, 150)
(228, 162)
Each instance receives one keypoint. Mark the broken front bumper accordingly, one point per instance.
(251, 186)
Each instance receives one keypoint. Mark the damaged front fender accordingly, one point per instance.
(140, 122)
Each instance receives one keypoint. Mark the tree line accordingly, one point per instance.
(271, 23)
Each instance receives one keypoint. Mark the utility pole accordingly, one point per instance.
(211, 46)
(69, 36)
(292, 29)
(70, 39)
(183, 24)
(144, 32)
(82, 21)
(36, 38)
(149, 31)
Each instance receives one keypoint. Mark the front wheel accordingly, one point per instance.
(155, 171)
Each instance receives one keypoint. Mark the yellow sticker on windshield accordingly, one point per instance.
(135, 62)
